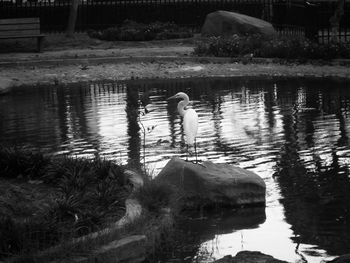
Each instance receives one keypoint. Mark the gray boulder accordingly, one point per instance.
(224, 23)
(210, 184)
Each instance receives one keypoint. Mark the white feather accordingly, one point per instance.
(190, 124)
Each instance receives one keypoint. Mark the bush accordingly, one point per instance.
(133, 31)
(278, 47)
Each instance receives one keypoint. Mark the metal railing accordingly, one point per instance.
(290, 17)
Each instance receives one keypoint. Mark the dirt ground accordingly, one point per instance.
(82, 59)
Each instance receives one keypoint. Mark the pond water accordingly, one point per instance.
(293, 132)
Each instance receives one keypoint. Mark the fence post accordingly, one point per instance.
(334, 21)
(310, 21)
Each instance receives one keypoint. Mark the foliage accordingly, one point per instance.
(88, 195)
(133, 31)
(278, 47)
(144, 101)
(20, 161)
(156, 196)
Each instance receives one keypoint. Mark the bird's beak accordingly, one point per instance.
(172, 97)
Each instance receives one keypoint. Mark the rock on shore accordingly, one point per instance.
(210, 184)
(227, 23)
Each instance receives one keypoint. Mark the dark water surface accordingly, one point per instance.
(294, 133)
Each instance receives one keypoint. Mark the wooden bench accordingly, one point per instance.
(21, 28)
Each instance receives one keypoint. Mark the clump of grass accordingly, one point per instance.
(278, 47)
(22, 162)
(155, 196)
(92, 191)
(88, 195)
(132, 31)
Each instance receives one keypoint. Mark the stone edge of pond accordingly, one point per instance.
(64, 61)
(130, 249)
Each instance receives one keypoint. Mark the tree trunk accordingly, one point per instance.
(335, 20)
(73, 12)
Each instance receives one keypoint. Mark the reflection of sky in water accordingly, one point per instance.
(246, 123)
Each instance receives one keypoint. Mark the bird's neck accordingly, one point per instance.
(181, 107)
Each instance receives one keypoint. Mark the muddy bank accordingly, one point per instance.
(150, 68)
(82, 59)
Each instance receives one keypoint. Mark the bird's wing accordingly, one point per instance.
(190, 124)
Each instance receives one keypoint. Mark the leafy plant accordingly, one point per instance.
(143, 103)
(278, 47)
(132, 31)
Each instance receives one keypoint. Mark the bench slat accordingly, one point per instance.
(30, 20)
(14, 37)
(19, 27)
(28, 32)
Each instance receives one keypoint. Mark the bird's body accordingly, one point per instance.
(190, 125)
(190, 119)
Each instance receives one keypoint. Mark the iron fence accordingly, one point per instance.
(290, 17)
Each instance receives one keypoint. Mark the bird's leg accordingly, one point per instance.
(195, 149)
(188, 152)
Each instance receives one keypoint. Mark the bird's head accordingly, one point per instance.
(179, 95)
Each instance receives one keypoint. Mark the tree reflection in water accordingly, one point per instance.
(316, 193)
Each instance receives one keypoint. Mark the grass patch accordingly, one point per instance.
(69, 197)
(133, 31)
(157, 197)
(72, 197)
(22, 162)
(278, 47)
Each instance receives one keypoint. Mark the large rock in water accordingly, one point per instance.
(224, 23)
(250, 257)
(210, 184)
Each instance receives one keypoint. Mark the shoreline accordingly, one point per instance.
(82, 59)
(65, 71)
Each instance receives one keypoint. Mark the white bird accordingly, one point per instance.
(189, 121)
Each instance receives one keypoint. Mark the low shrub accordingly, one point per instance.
(133, 31)
(278, 47)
